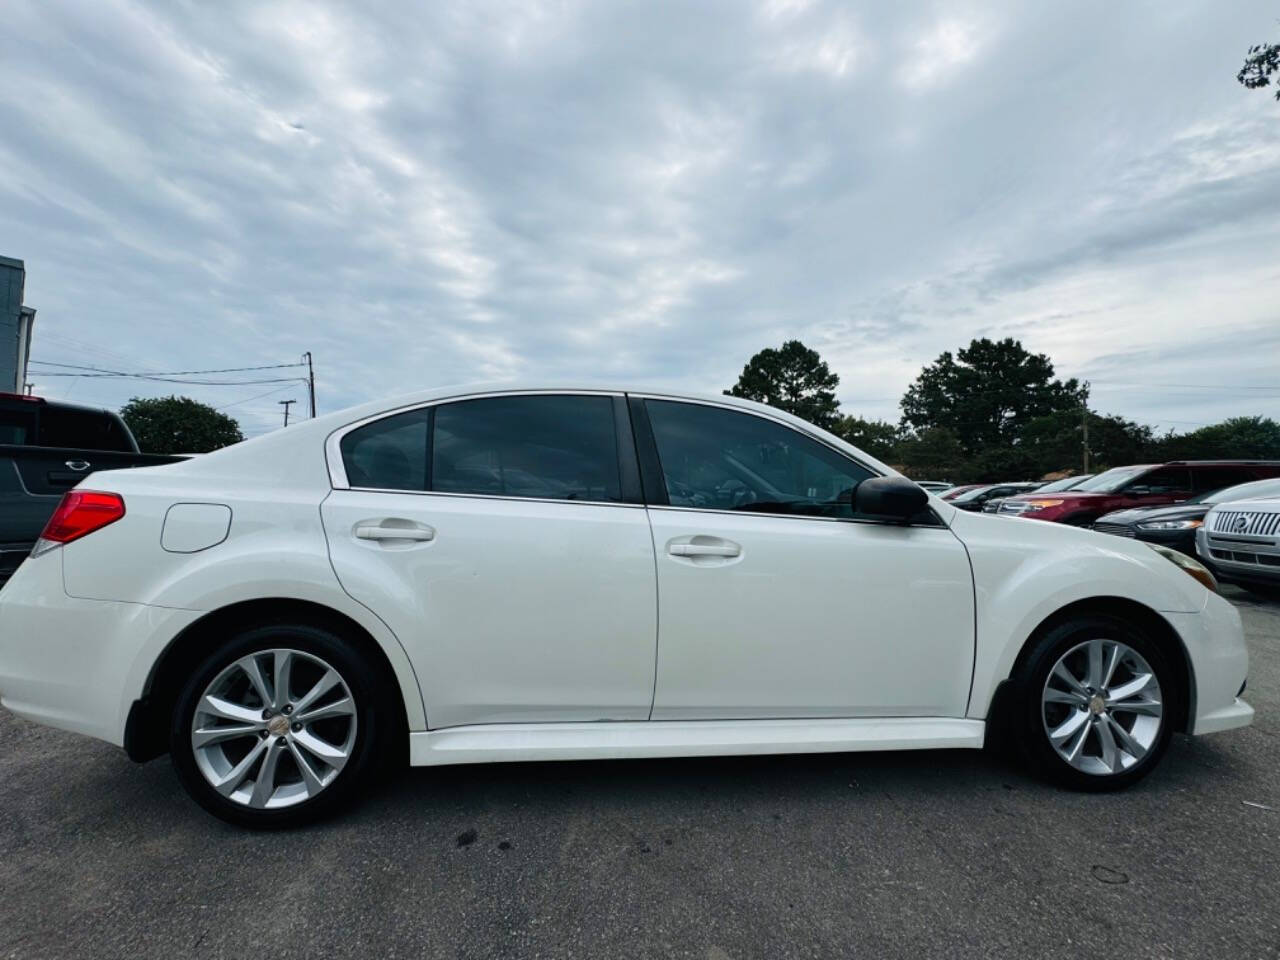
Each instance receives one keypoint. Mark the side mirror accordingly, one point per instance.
(894, 498)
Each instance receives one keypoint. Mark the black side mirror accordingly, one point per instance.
(894, 498)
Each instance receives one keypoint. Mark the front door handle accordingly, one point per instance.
(723, 549)
(394, 530)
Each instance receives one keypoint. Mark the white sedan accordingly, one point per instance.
(497, 574)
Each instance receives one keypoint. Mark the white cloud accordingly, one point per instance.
(948, 45)
(431, 193)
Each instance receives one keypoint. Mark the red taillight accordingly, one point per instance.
(80, 513)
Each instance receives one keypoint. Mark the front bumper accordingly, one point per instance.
(1246, 560)
(1214, 641)
(76, 664)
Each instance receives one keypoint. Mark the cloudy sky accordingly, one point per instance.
(433, 193)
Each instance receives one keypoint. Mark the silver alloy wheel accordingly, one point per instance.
(262, 743)
(1102, 707)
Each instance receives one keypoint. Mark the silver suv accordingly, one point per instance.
(1240, 541)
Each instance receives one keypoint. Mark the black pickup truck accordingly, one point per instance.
(46, 448)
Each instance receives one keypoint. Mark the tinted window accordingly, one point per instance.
(388, 454)
(1171, 480)
(1215, 478)
(551, 447)
(722, 460)
(82, 430)
(14, 428)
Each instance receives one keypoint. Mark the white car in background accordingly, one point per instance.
(496, 574)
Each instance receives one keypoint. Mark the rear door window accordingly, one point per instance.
(389, 454)
(547, 447)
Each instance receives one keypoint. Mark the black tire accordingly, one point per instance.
(1028, 710)
(371, 724)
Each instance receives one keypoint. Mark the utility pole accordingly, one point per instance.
(285, 404)
(311, 384)
(1084, 422)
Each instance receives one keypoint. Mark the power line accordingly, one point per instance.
(1197, 386)
(163, 379)
(257, 396)
(167, 373)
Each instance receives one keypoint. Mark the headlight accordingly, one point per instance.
(1170, 524)
(1041, 504)
(1194, 567)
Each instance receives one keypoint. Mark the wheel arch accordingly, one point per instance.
(1129, 611)
(146, 729)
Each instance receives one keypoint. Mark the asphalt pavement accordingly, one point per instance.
(931, 854)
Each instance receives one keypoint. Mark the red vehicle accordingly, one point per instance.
(1143, 485)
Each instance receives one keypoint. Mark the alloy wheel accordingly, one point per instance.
(1102, 707)
(274, 728)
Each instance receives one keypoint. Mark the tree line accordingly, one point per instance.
(991, 411)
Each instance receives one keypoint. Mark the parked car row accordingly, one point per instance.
(1181, 505)
(1142, 485)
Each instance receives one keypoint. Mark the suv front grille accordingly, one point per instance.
(1246, 523)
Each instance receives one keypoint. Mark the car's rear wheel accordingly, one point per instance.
(279, 726)
(1095, 704)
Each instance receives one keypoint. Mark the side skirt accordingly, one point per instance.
(503, 742)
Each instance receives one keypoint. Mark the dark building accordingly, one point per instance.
(16, 322)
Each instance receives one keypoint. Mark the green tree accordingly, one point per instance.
(1260, 63)
(876, 437)
(932, 454)
(793, 378)
(178, 425)
(1250, 438)
(1055, 442)
(986, 393)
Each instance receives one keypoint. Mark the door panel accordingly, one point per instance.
(510, 610)
(777, 599)
(812, 618)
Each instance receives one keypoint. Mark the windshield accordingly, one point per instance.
(1241, 491)
(1111, 481)
(1064, 484)
(971, 495)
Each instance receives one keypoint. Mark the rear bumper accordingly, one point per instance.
(76, 664)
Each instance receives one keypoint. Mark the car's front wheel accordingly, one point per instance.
(1095, 702)
(278, 727)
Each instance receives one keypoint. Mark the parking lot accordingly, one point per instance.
(908, 854)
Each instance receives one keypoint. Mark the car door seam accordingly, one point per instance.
(328, 552)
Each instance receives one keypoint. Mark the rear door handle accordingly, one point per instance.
(704, 550)
(394, 530)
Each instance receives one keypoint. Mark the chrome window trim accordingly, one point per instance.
(497, 496)
(938, 525)
(333, 449)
